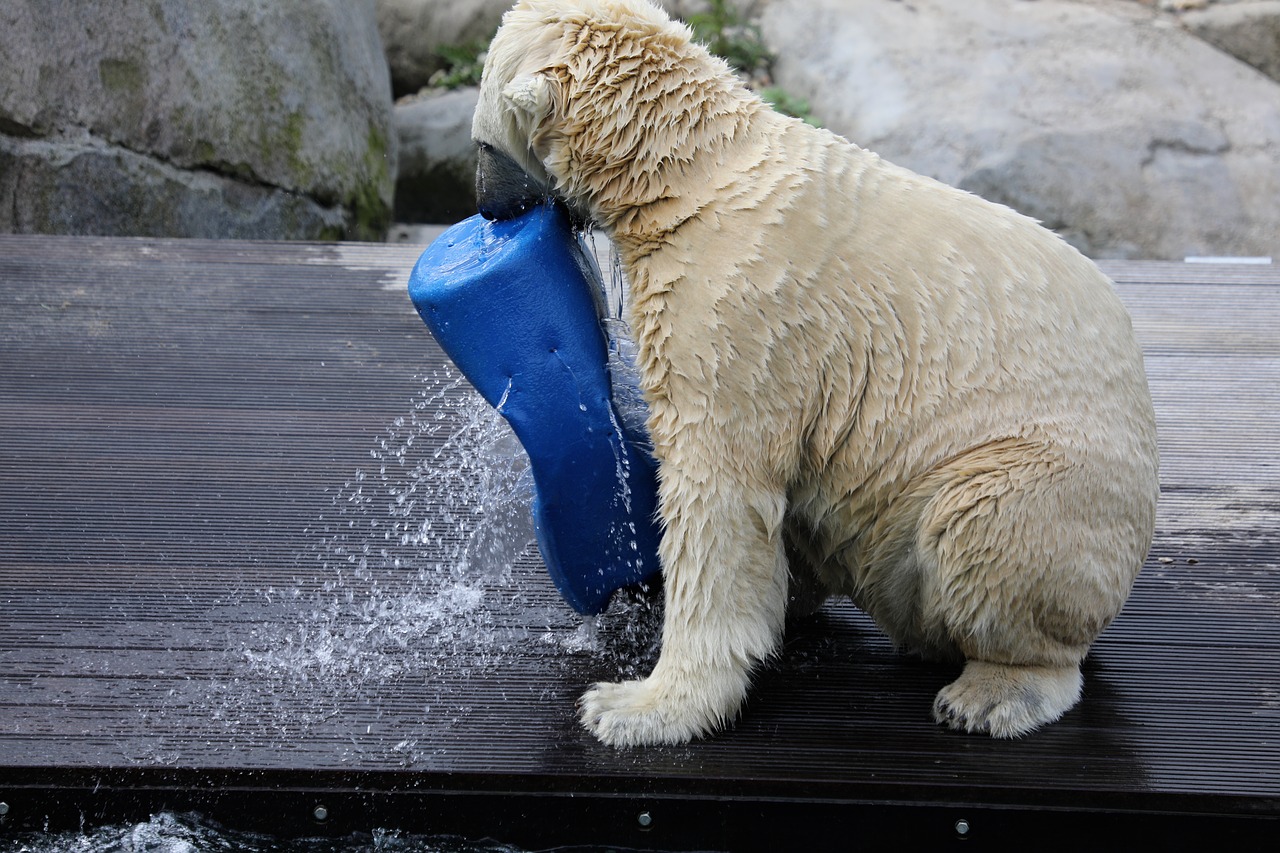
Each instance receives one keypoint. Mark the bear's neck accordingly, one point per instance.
(647, 210)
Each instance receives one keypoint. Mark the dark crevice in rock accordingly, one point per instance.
(237, 173)
(149, 195)
(1181, 146)
(17, 130)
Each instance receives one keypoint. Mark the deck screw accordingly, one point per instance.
(645, 820)
(321, 813)
(962, 827)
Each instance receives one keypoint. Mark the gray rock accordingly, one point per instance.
(1126, 134)
(1248, 31)
(79, 184)
(436, 181)
(413, 32)
(223, 117)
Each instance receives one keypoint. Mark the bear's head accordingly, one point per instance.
(605, 104)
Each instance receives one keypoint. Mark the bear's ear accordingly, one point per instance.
(531, 94)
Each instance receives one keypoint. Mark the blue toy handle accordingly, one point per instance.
(514, 304)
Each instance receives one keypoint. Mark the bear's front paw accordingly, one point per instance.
(641, 713)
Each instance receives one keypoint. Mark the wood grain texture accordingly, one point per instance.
(208, 594)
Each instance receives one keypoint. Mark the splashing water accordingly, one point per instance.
(413, 574)
(624, 376)
(629, 414)
(426, 570)
(167, 832)
(420, 541)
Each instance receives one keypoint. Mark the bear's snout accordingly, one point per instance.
(503, 189)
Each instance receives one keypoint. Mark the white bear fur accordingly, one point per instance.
(860, 380)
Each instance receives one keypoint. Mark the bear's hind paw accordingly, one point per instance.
(1006, 701)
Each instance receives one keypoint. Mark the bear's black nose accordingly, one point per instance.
(503, 189)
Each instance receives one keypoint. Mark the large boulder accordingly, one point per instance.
(437, 178)
(214, 119)
(1104, 119)
(417, 33)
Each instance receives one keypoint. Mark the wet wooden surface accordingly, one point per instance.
(229, 541)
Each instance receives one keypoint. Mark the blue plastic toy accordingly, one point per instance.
(514, 304)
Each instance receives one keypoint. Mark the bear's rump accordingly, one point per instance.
(1011, 549)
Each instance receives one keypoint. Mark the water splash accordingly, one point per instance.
(417, 555)
(167, 832)
(424, 572)
(629, 413)
(624, 375)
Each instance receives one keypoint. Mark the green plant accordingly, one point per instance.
(732, 37)
(789, 105)
(462, 64)
(739, 42)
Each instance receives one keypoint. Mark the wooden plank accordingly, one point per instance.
(228, 580)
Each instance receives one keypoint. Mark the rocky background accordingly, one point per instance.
(1136, 128)
(217, 118)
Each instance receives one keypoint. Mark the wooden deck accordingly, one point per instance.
(217, 464)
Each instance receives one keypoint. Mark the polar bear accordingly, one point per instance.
(861, 381)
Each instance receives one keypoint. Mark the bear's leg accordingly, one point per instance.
(1022, 565)
(806, 589)
(1005, 700)
(725, 583)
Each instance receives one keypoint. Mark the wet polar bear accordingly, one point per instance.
(860, 380)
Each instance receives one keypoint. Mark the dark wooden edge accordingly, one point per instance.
(540, 812)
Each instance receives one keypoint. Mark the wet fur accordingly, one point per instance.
(860, 380)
